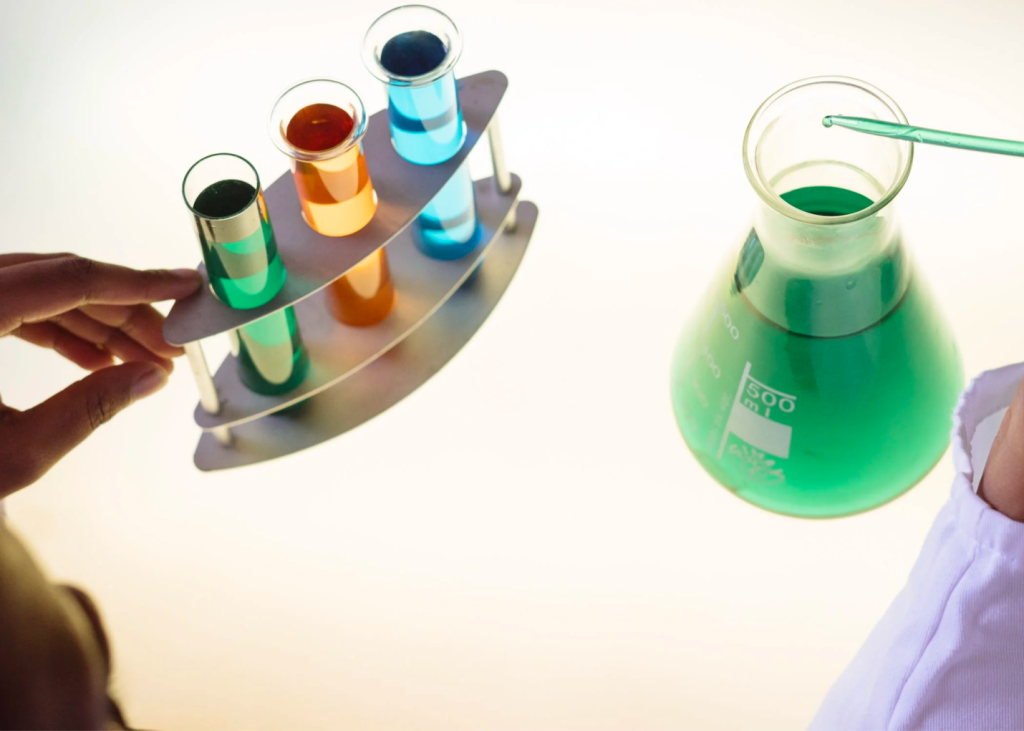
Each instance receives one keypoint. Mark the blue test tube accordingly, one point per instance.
(413, 50)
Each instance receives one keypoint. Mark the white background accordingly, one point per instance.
(525, 542)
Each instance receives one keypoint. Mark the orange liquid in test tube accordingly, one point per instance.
(337, 200)
(366, 294)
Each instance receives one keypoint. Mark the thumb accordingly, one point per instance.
(1002, 482)
(36, 439)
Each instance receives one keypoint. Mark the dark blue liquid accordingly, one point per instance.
(413, 53)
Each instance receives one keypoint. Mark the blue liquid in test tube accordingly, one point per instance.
(413, 49)
(426, 121)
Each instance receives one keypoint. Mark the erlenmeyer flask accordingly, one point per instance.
(818, 377)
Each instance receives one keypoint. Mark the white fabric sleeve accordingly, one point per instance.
(949, 652)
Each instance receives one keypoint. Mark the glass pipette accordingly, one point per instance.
(927, 136)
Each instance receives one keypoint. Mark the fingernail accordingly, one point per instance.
(189, 279)
(149, 382)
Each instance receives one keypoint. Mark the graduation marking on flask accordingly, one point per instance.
(750, 417)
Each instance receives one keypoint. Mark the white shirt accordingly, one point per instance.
(949, 652)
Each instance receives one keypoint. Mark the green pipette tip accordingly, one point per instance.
(926, 136)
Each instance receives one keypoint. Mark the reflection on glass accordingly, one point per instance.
(365, 295)
(447, 228)
(231, 222)
(271, 357)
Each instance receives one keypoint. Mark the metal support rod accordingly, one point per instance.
(501, 174)
(207, 391)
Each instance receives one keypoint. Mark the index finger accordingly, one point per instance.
(7, 260)
(40, 289)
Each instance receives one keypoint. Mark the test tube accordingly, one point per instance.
(224, 194)
(320, 124)
(231, 222)
(413, 50)
(271, 357)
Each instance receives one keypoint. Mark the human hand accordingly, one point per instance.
(91, 313)
(1002, 483)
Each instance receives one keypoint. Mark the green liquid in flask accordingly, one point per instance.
(817, 426)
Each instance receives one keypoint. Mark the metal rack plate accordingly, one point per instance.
(314, 261)
(337, 351)
(389, 378)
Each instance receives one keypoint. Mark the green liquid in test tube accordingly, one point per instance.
(233, 227)
(271, 357)
(245, 271)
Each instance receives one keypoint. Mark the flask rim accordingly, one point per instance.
(774, 200)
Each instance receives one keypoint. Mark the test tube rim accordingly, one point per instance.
(767, 193)
(258, 188)
(297, 153)
(372, 60)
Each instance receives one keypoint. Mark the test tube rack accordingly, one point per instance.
(357, 373)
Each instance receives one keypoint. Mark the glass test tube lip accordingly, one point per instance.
(255, 184)
(760, 126)
(409, 18)
(316, 91)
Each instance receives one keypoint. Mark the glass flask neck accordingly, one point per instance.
(823, 281)
(825, 256)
